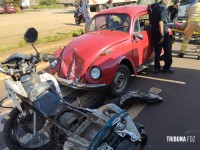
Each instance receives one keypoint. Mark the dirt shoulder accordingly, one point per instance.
(47, 22)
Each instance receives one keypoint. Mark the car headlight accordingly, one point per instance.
(53, 63)
(95, 73)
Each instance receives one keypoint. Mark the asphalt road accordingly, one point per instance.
(177, 116)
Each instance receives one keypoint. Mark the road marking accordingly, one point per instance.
(136, 109)
(160, 79)
(83, 99)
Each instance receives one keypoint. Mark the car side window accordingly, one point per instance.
(136, 26)
(144, 22)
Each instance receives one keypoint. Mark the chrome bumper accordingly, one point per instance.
(78, 85)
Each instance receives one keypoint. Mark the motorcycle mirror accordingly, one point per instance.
(31, 35)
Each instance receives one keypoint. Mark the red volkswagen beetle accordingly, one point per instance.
(117, 44)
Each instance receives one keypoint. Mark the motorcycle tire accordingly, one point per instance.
(144, 137)
(11, 140)
(77, 21)
(128, 145)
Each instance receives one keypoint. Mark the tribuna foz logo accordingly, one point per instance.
(181, 139)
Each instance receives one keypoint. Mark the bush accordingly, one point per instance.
(47, 2)
(15, 2)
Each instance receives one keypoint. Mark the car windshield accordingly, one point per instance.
(120, 22)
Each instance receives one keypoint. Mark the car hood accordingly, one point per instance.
(79, 54)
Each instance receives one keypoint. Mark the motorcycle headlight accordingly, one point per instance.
(95, 73)
(53, 63)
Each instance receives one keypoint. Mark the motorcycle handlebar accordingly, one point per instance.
(33, 61)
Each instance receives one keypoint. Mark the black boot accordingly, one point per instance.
(181, 55)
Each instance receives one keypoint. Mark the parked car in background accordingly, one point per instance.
(117, 44)
(7, 8)
(10, 9)
(2, 8)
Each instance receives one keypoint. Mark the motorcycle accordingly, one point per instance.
(78, 15)
(42, 119)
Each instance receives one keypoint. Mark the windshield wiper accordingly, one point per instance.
(119, 27)
(103, 25)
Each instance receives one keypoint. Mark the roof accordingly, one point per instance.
(131, 10)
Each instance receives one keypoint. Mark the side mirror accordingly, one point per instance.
(139, 36)
(31, 35)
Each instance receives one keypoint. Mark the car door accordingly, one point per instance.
(142, 48)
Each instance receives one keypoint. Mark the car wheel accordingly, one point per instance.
(120, 81)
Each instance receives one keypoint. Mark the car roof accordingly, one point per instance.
(131, 10)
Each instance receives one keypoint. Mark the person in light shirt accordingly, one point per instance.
(192, 25)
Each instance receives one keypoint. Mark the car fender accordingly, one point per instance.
(108, 65)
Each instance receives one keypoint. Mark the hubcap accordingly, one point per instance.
(120, 81)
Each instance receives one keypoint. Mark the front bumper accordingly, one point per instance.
(78, 85)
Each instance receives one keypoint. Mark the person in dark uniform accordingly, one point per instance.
(159, 29)
(173, 11)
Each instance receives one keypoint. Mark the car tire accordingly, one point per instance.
(120, 81)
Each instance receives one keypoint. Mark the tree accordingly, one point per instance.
(15, 2)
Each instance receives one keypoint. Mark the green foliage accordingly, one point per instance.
(15, 2)
(47, 2)
(47, 6)
(46, 39)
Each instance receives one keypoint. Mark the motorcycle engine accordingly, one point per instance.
(79, 125)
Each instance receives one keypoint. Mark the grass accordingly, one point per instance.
(47, 6)
(46, 39)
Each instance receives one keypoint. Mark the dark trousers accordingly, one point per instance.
(167, 46)
(79, 19)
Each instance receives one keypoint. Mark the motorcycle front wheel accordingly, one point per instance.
(18, 132)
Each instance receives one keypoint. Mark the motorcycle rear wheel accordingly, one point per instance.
(14, 130)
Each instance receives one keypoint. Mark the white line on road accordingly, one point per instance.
(160, 79)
